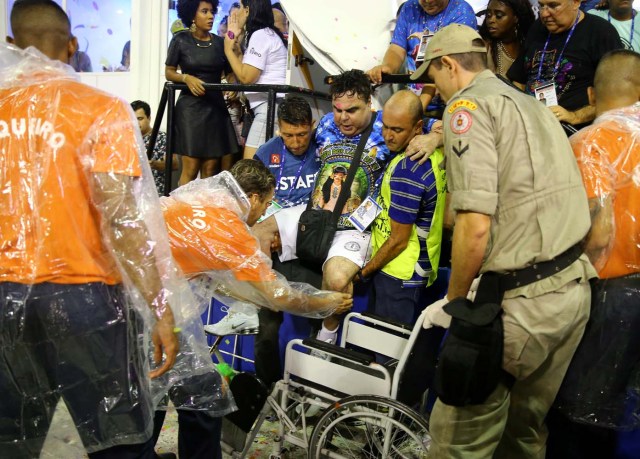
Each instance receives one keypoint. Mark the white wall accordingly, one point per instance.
(149, 30)
(4, 20)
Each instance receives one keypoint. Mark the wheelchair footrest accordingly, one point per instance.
(349, 354)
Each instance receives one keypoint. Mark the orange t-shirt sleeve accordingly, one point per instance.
(212, 239)
(115, 144)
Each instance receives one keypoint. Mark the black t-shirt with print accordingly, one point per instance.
(592, 38)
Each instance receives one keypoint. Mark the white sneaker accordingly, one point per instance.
(234, 323)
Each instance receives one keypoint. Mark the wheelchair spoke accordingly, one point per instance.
(369, 427)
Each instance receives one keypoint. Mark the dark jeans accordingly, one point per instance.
(388, 298)
(138, 451)
(267, 341)
(198, 434)
(601, 390)
(77, 342)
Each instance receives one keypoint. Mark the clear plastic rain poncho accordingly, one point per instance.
(215, 248)
(85, 266)
(602, 385)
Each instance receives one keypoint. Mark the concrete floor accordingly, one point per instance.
(63, 440)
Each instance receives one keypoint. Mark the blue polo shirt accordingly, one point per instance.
(413, 20)
(295, 175)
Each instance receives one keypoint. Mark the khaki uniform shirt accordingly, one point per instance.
(509, 158)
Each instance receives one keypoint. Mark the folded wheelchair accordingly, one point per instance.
(358, 387)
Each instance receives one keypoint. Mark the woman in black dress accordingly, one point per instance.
(204, 134)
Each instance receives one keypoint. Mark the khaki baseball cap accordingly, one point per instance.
(452, 39)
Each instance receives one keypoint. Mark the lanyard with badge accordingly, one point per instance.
(426, 37)
(275, 206)
(545, 91)
(633, 23)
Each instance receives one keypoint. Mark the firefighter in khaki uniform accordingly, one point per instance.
(521, 212)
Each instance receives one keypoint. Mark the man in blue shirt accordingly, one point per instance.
(417, 21)
(157, 160)
(412, 202)
(291, 156)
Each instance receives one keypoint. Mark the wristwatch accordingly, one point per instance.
(231, 35)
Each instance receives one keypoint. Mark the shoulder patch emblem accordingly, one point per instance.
(275, 158)
(462, 103)
(461, 122)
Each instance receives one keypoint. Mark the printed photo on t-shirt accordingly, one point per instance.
(336, 159)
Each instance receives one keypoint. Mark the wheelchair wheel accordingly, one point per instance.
(368, 426)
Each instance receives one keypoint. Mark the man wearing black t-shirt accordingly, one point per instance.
(564, 47)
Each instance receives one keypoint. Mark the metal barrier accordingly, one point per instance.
(168, 101)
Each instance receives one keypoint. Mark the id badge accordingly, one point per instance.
(366, 213)
(545, 92)
(424, 41)
(272, 209)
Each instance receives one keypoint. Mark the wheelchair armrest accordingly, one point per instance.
(349, 354)
(388, 320)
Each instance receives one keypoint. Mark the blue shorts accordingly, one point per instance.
(78, 342)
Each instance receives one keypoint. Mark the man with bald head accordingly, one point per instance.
(407, 234)
(599, 396)
(71, 234)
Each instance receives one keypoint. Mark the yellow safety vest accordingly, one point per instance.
(406, 263)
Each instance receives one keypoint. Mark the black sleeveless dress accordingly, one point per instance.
(202, 126)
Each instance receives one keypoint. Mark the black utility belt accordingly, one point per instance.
(470, 366)
(539, 271)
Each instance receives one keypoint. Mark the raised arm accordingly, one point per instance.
(245, 73)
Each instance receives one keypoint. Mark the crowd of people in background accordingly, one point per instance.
(514, 145)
